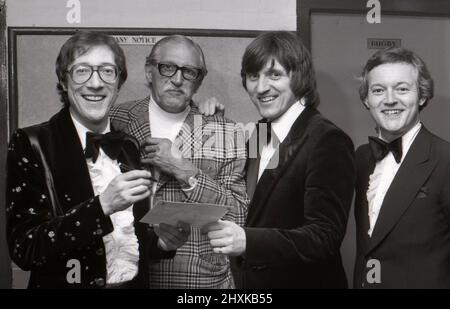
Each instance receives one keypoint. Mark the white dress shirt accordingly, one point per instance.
(281, 127)
(121, 246)
(383, 175)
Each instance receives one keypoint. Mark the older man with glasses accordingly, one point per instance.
(200, 159)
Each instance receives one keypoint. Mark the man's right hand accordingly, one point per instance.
(226, 237)
(211, 106)
(125, 190)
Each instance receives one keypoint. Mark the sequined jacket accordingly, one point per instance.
(66, 251)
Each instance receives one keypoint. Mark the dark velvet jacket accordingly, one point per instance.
(298, 214)
(411, 238)
(45, 244)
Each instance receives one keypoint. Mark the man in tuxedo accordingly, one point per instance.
(201, 159)
(402, 205)
(88, 234)
(300, 183)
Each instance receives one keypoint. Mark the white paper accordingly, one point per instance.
(196, 214)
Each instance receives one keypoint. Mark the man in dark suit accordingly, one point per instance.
(301, 182)
(92, 237)
(402, 205)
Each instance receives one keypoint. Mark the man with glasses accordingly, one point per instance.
(87, 234)
(81, 73)
(200, 159)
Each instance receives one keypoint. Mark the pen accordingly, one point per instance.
(152, 197)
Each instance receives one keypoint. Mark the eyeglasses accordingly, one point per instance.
(81, 73)
(169, 70)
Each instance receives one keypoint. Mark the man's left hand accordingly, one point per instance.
(168, 159)
(226, 237)
(172, 237)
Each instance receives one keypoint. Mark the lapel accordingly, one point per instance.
(365, 166)
(139, 121)
(412, 174)
(252, 175)
(129, 155)
(193, 134)
(69, 163)
(254, 148)
(139, 125)
(298, 134)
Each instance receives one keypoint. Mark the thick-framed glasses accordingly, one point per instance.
(81, 73)
(169, 70)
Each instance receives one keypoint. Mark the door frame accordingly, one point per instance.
(5, 262)
(435, 8)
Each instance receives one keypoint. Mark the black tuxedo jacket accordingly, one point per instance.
(411, 238)
(298, 213)
(45, 244)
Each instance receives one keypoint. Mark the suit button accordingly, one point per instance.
(99, 251)
(99, 232)
(99, 281)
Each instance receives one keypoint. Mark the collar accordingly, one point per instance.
(82, 130)
(408, 138)
(282, 125)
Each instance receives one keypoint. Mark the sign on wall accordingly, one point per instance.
(137, 39)
(383, 43)
(33, 95)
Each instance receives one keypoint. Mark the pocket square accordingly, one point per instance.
(423, 193)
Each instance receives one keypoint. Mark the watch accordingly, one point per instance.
(192, 182)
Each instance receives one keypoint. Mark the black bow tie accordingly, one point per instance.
(381, 148)
(111, 144)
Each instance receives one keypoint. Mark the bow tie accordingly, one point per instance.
(111, 144)
(381, 148)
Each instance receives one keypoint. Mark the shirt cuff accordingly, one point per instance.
(190, 188)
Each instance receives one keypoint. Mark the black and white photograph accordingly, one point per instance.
(225, 151)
